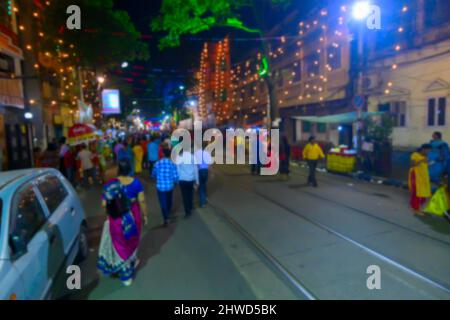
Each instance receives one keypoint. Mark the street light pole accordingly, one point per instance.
(361, 11)
(360, 85)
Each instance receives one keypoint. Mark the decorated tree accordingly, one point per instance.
(182, 17)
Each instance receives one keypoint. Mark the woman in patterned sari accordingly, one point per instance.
(122, 232)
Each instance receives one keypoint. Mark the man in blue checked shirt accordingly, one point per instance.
(166, 175)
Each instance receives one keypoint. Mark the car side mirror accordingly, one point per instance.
(18, 245)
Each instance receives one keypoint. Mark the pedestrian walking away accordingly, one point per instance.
(203, 160)
(63, 149)
(285, 154)
(152, 153)
(138, 155)
(126, 154)
(124, 200)
(166, 175)
(86, 157)
(188, 175)
(312, 153)
(144, 145)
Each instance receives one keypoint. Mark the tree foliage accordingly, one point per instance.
(108, 36)
(181, 17)
(379, 130)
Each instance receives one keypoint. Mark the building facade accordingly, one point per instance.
(14, 133)
(309, 66)
(313, 63)
(408, 73)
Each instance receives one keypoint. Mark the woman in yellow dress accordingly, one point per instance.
(419, 178)
(138, 157)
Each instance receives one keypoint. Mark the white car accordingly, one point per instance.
(42, 232)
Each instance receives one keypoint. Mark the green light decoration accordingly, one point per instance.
(9, 7)
(264, 68)
(236, 23)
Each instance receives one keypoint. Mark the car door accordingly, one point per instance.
(28, 241)
(62, 227)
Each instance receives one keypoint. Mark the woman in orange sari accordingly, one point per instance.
(419, 179)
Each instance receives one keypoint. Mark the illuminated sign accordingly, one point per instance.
(111, 101)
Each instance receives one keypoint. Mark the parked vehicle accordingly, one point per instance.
(42, 232)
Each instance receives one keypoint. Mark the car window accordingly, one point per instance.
(52, 190)
(27, 215)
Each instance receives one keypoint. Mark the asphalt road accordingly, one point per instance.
(265, 238)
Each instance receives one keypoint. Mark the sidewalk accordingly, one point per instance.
(184, 261)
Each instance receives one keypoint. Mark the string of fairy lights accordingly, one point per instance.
(58, 62)
(214, 76)
(316, 52)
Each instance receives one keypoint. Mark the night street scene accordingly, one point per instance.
(224, 150)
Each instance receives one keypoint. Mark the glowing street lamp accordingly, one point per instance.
(124, 65)
(101, 80)
(28, 115)
(361, 10)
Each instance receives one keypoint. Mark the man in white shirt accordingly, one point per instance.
(85, 156)
(203, 160)
(63, 149)
(188, 177)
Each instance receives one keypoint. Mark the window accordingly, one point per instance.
(306, 126)
(436, 12)
(397, 110)
(436, 111)
(321, 127)
(6, 65)
(52, 191)
(334, 57)
(312, 63)
(27, 215)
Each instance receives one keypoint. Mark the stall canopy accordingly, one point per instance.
(341, 118)
(81, 133)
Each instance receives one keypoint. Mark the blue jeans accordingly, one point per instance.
(165, 201)
(203, 180)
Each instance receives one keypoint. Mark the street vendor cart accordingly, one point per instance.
(341, 160)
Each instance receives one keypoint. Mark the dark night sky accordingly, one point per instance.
(187, 56)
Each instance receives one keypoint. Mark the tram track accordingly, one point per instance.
(284, 273)
(290, 277)
(365, 248)
(368, 214)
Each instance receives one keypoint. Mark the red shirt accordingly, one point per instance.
(69, 160)
(144, 144)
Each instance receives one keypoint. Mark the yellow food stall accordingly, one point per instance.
(341, 160)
